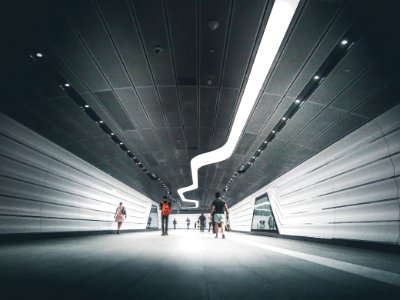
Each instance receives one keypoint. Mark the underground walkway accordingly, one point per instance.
(188, 264)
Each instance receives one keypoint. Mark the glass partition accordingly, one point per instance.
(263, 218)
(152, 221)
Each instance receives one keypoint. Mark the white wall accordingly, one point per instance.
(348, 191)
(44, 188)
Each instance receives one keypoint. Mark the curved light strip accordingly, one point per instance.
(278, 23)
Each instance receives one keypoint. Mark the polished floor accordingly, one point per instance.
(188, 264)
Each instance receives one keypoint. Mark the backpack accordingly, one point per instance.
(166, 210)
(123, 211)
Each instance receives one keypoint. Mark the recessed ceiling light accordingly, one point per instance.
(284, 118)
(101, 122)
(297, 101)
(121, 143)
(112, 133)
(344, 42)
(316, 77)
(66, 84)
(39, 54)
(273, 131)
(86, 106)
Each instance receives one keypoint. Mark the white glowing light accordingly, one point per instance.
(278, 23)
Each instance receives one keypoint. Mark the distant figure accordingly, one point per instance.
(188, 223)
(219, 208)
(202, 220)
(149, 221)
(195, 224)
(271, 223)
(165, 207)
(120, 216)
(210, 224)
(175, 223)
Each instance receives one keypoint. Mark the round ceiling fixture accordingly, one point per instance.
(213, 25)
(157, 49)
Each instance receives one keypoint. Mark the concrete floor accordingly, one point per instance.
(188, 264)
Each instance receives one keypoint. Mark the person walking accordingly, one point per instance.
(188, 223)
(219, 207)
(175, 223)
(202, 220)
(120, 216)
(165, 207)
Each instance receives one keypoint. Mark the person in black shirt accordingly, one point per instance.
(219, 207)
(202, 220)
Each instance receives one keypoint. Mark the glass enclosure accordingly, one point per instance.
(263, 218)
(152, 221)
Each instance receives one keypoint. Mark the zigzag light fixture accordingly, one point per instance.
(275, 30)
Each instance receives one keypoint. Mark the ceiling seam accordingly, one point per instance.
(219, 93)
(126, 71)
(76, 32)
(176, 81)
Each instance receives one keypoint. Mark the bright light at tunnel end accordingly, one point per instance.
(275, 30)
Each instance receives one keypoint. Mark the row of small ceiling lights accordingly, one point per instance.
(39, 57)
(334, 57)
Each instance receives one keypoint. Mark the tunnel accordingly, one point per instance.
(288, 109)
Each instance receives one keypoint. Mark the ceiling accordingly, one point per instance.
(166, 77)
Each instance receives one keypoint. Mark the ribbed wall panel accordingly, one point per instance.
(348, 191)
(44, 188)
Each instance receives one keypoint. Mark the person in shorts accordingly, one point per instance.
(219, 207)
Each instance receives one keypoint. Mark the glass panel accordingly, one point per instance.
(152, 221)
(263, 218)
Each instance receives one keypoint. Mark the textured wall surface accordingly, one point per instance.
(44, 188)
(348, 191)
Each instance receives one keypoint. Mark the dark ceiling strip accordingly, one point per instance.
(327, 66)
(41, 59)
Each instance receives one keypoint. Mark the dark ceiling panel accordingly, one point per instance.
(182, 17)
(208, 101)
(381, 101)
(263, 111)
(76, 115)
(330, 39)
(245, 142)
(135, 139)
(213, 41)
(93, 33)
(133, 107)
(178, 138)
(311, 25)
(205, 139)
(318, 124)
(170, 102)
(71, 50)
(226, 108)
(192, 138)
(151, 139)
(189, 106)
(376, 76)
(165, 138)
(118, 19)
(150, 100)
(246, 22)
(111, 103)
(150, 16)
